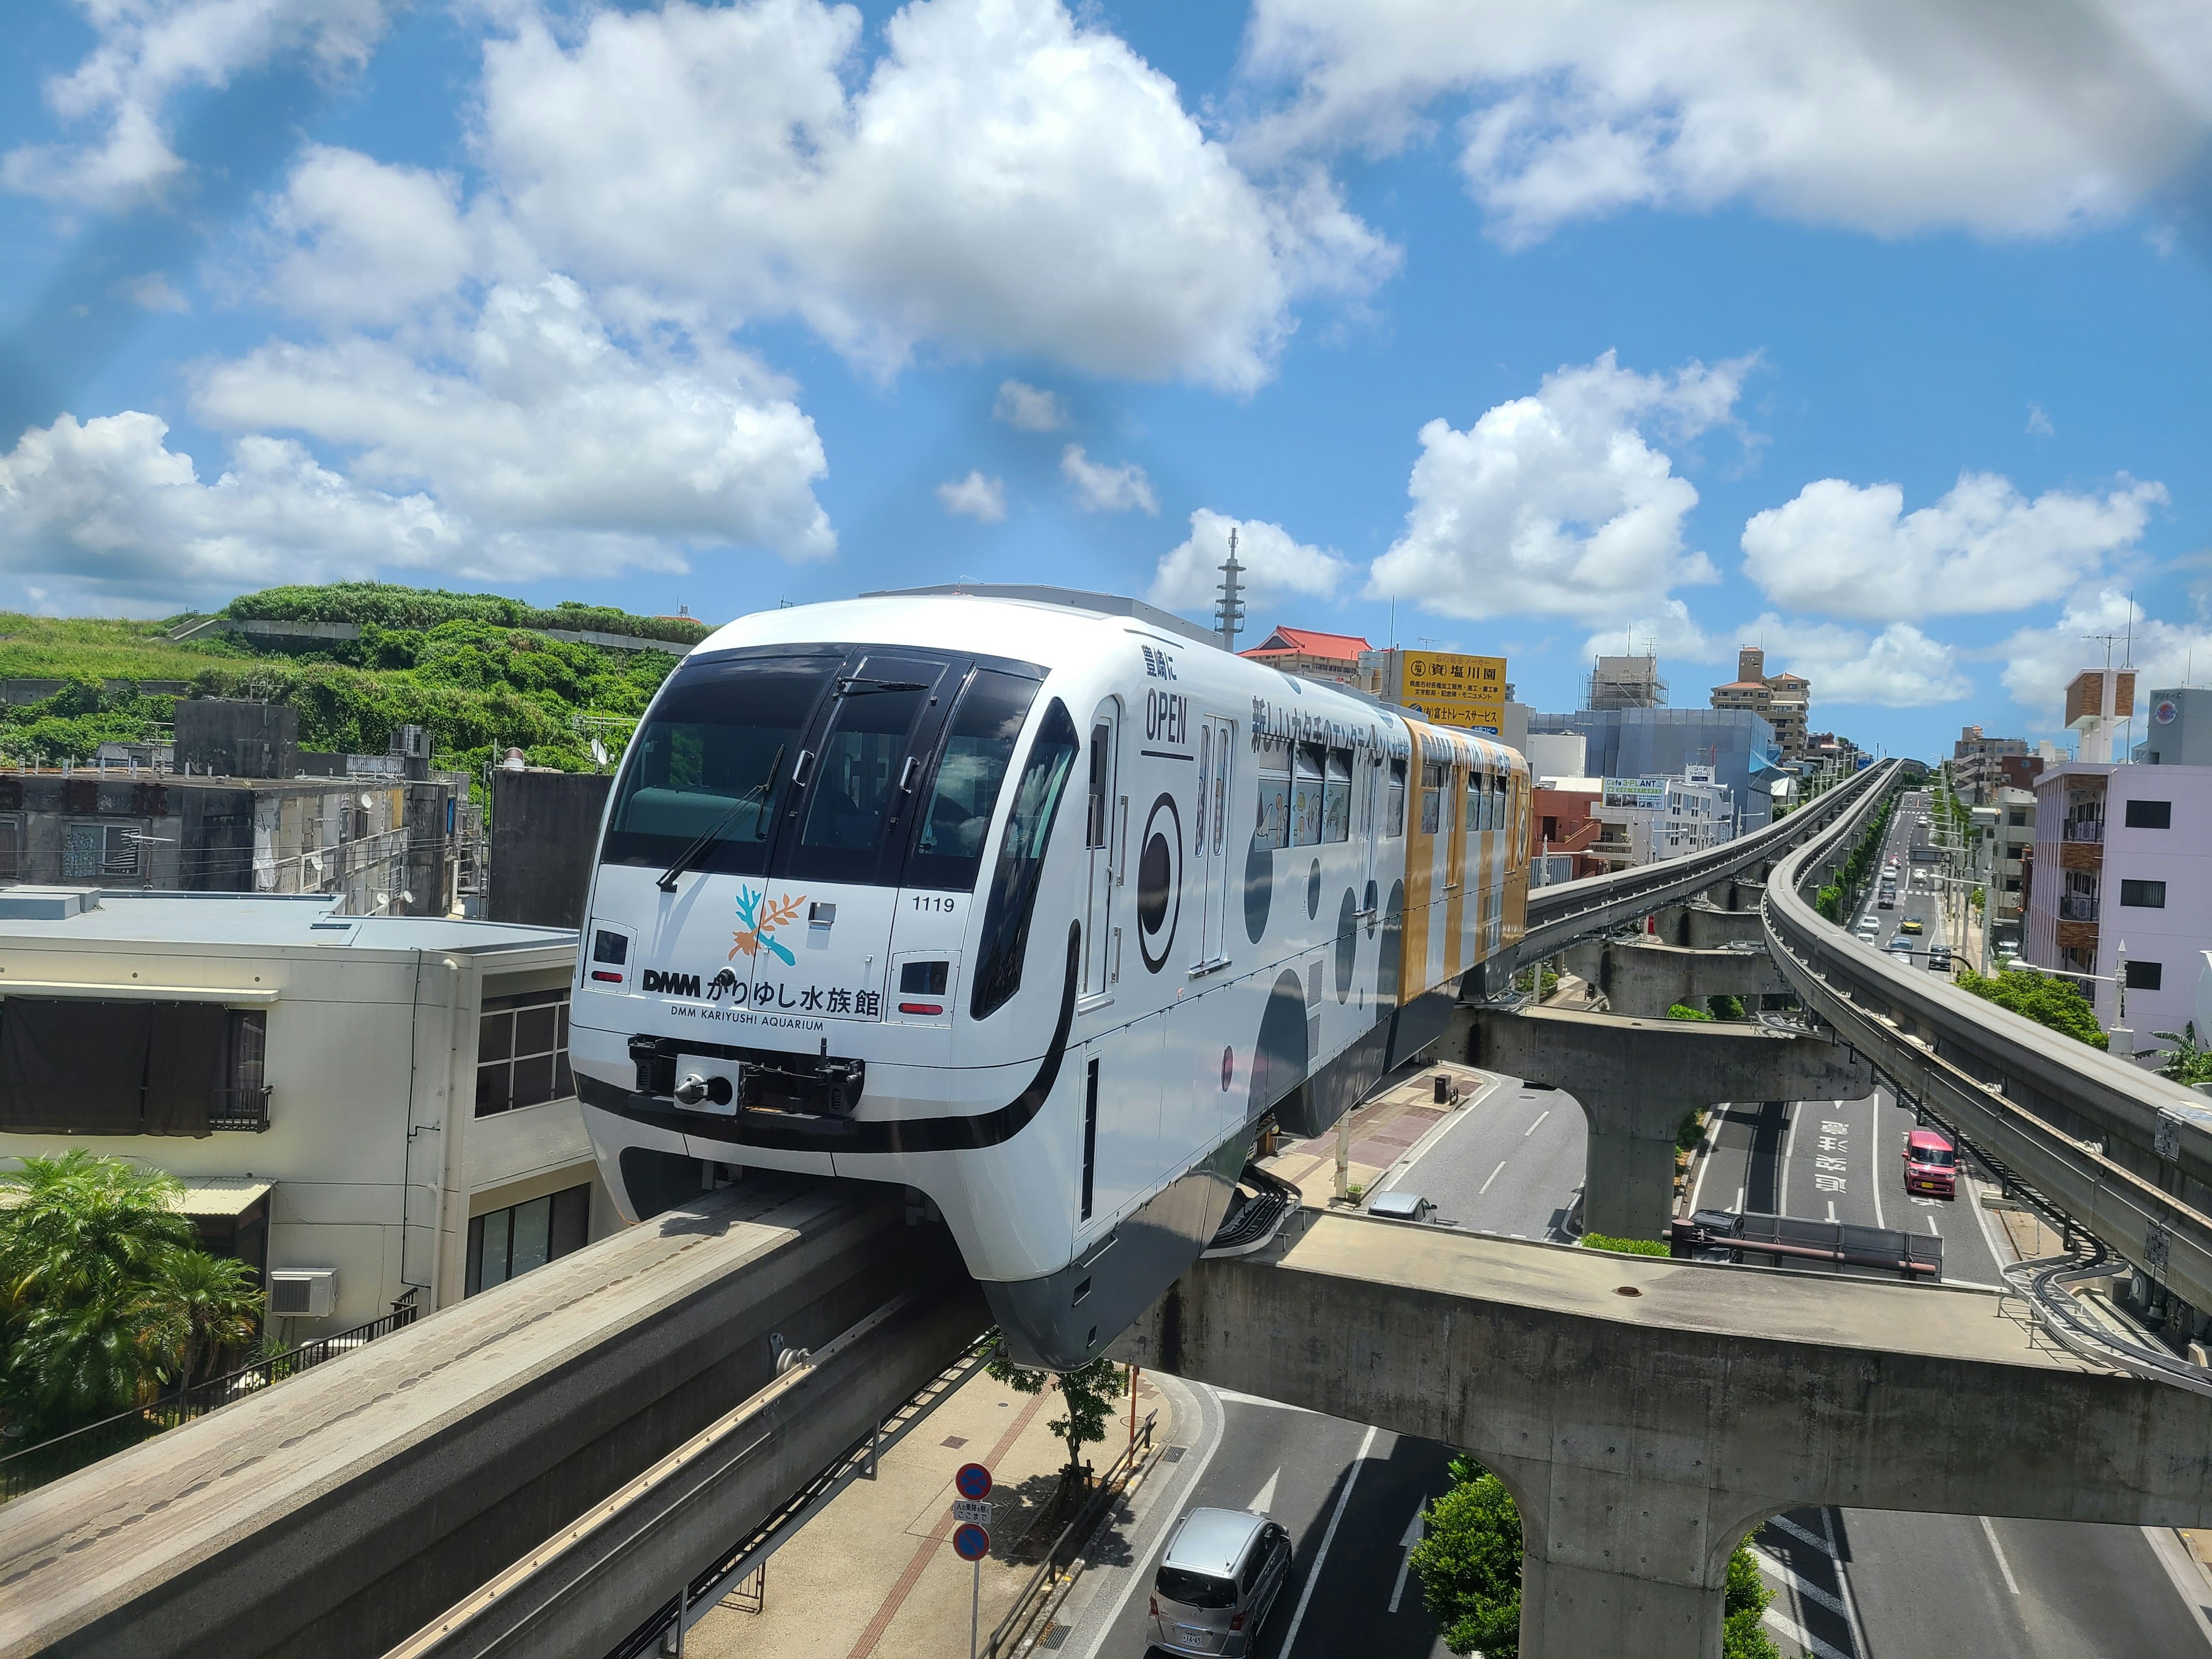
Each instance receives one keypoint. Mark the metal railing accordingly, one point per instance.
(2076, 907)
(1056, 1568)
(2083, 830)
(239, 1109)
(65, 1454)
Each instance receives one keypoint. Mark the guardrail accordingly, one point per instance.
(2121, 1153)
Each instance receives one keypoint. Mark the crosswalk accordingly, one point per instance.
(1812, 1609)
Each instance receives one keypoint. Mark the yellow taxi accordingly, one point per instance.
(1910, 925)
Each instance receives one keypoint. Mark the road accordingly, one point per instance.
(1868, 1584)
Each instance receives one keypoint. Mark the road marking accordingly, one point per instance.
(1803, 1638)
(1264, 1499)
(1931, 1226)
(1532, 1129)
(1776, 1568)
(1857, 1624)
(1413, 1530)
(1799, 1533)
(1327, 1539)
(1494, 1174)
(1876, 1133)
(1831, 1209)
(1997, 1550)
(1789, 1157)
(1739, 1200)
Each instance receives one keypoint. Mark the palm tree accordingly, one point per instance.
(2191, 1061)
(197, 1305)
(78, 1248)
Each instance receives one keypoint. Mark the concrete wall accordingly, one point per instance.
(228, 739)
(544, 833)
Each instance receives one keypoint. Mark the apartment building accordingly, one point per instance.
(1648, 819)
(379, 1107)
(1783, 701)
(2123, 875)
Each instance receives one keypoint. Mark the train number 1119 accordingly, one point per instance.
(933, 902)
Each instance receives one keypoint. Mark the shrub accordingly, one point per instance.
(2047, 1001)
(1683, 1011)
(1625, 1246)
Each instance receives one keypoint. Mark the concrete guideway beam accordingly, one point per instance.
(1644, 978)
(1646, 1413)
(1635, 1080)
(1709, 928)
(336, 1514)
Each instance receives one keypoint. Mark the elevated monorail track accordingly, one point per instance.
(2098, 1142)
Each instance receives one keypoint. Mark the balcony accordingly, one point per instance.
(239, 1109)
(2083, 829)
(2077, 907)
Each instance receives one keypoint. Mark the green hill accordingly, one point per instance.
(476, 669)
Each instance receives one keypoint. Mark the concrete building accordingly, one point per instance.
(1331, 658)
(2007, 844)
(2098, 701)
(2123, 859)
(1635, 742)
(1982, 765)
(1649, 818)
(1783, 701)
(1562, 831)
(1625, 682)
(1558, 754)
(2179, 729)
(544, 835)
(384, 1099)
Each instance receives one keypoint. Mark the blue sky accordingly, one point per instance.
(1514, 330)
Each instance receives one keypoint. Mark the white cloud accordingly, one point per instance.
(1102, 489)
(1887, 118)
(556, 432)
(359, 241)
(1900, 667)
(1278, 568)
(2038, 423)
(1845, 550)
(1556, 503)
(1005, 178)
(1030, 409)
(147, 51)
(1668, 630)
(982, 499)
(2038, 662)
(152, 292)
(106, 506)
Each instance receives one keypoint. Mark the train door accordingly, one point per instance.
(1211, 840)
(1103, 826)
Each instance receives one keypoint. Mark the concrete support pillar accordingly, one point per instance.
(1636, 1079)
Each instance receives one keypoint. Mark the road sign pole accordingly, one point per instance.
(974, 1604)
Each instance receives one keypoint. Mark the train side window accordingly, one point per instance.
(1394, 816)
(1336, 797)
(1012, 900)
(1272, 826)
(1101, 773)
(1435, 774)
(1477, 802)
(1306, 794)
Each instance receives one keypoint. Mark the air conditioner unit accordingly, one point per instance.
(303, 1292)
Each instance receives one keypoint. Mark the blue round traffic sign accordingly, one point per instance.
(973, 1482)
(970, 1542)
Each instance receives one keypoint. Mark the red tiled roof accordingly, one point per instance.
(1742, 686)
(1310, 641)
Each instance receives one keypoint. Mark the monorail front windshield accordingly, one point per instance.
(881, 766)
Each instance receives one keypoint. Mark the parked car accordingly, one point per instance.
(1220, 1573)
(1402, 1207)
(1939, 958)
(1932, 1164)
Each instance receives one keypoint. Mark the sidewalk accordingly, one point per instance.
(875, 1574)
(1384, 1128)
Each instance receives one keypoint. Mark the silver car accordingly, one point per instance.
(1221, 1572)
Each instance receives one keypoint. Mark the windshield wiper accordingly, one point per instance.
(714, 833)
(845, 688)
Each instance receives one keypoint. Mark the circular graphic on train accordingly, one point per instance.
(1159, 883)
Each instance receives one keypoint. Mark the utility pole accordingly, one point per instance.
(1228, 613)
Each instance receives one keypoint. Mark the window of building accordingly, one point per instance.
(2145, 975)
(80, 1066)
(2150, 815)
(522, 1052)
(507, 1243)
(11, 849)
(2144, 895)
(2017, 818)
(90, 851)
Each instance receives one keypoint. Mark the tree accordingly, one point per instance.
(2053, 1002)
(1469, 1563)
(2189, 1062)
(1089, 1394)
(196, 1305)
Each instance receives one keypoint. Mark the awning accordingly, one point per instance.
(214, 1195)
(133, 991)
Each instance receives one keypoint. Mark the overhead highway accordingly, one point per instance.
(2120, 1152)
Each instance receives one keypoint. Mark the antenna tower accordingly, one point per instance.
(1228, 613)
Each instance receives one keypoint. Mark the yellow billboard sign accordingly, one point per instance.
(1452, 689)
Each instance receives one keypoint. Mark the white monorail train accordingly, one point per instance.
(1037, 902)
